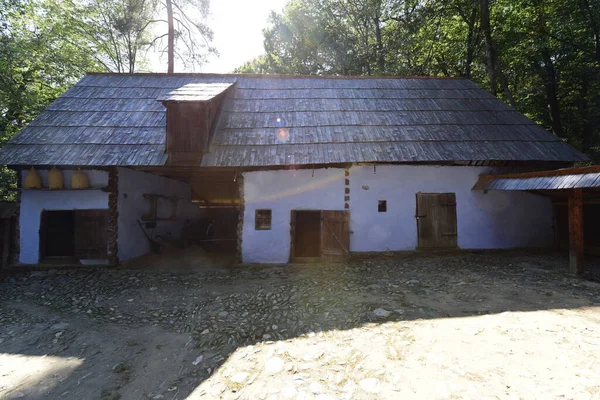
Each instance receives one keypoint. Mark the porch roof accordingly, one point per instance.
(560, 179)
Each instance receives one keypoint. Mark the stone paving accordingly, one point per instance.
(489, 325)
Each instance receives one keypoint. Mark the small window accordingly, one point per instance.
(262, 220)
(382, 206)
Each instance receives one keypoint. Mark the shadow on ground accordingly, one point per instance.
(137, 334)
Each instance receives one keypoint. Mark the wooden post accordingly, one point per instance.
(576, 245)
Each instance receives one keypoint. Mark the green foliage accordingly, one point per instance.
(47, 45)
(547, 52)
(40, 57)
(117, 30)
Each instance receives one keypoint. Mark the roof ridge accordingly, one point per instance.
(266, 76)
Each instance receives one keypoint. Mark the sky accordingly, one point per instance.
(238, 37)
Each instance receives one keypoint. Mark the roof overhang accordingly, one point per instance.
(544, 181)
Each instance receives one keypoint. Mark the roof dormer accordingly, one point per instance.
(192, 114)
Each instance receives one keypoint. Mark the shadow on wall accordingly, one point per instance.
(224, 310)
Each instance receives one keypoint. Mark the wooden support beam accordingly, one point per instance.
(576, 245)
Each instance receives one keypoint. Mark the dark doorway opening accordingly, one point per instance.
(591, 229)
(217, 232)
(307, 234)
(57, 234)
(74, 235)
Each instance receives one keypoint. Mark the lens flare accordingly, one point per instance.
(313, 184)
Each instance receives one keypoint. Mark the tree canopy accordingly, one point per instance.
(47, 45)
(540, 56)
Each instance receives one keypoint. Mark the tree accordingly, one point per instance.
(188, 35)
(542, 57)
(119, 30)
(40, 57)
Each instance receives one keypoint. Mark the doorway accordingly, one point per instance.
(320, 235)
(307, 234)
(436, 220)
(74, 234)
(57, 234)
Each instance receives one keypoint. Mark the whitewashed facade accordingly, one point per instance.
(494, 220)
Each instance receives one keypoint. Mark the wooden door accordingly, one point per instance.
(91, 234)
(436, 220)
(335, 235)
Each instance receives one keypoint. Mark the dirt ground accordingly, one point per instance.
(469, 326)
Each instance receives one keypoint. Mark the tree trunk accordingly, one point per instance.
(547, 71)
(489, 45)
(585, 4)
(470, 44)
(494, 70)
(171, 38)
(583, 106)
(551, 93)
(380, 54)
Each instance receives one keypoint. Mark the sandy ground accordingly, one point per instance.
(474, 326)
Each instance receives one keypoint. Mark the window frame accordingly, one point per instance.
(263, 222)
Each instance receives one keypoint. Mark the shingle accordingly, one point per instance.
(112, 119)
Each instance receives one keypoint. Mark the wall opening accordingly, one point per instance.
(307, 234)
(382, 206)
(57, 234)
(262, 220)
(71, 235)
(319, 235)
(591, 229)
(216, 232)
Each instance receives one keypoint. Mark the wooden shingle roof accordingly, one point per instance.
(115, 119)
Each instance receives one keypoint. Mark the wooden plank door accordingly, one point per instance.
(436, 220)
(91, 234)
(335, 235)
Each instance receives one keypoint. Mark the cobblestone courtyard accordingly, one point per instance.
(490, 325)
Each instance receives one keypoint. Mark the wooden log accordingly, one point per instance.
(576, 245)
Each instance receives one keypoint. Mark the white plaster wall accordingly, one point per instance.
(282, 191)
(485, 221)
(33, 202)
(131, 206)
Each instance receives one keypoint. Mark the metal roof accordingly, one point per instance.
(114, 119)
(568, 178)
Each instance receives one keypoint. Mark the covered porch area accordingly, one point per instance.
(575, 196)
(215, 192)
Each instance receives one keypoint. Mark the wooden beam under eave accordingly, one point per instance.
(576, 245)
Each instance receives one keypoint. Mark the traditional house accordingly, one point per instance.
(289, 168)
